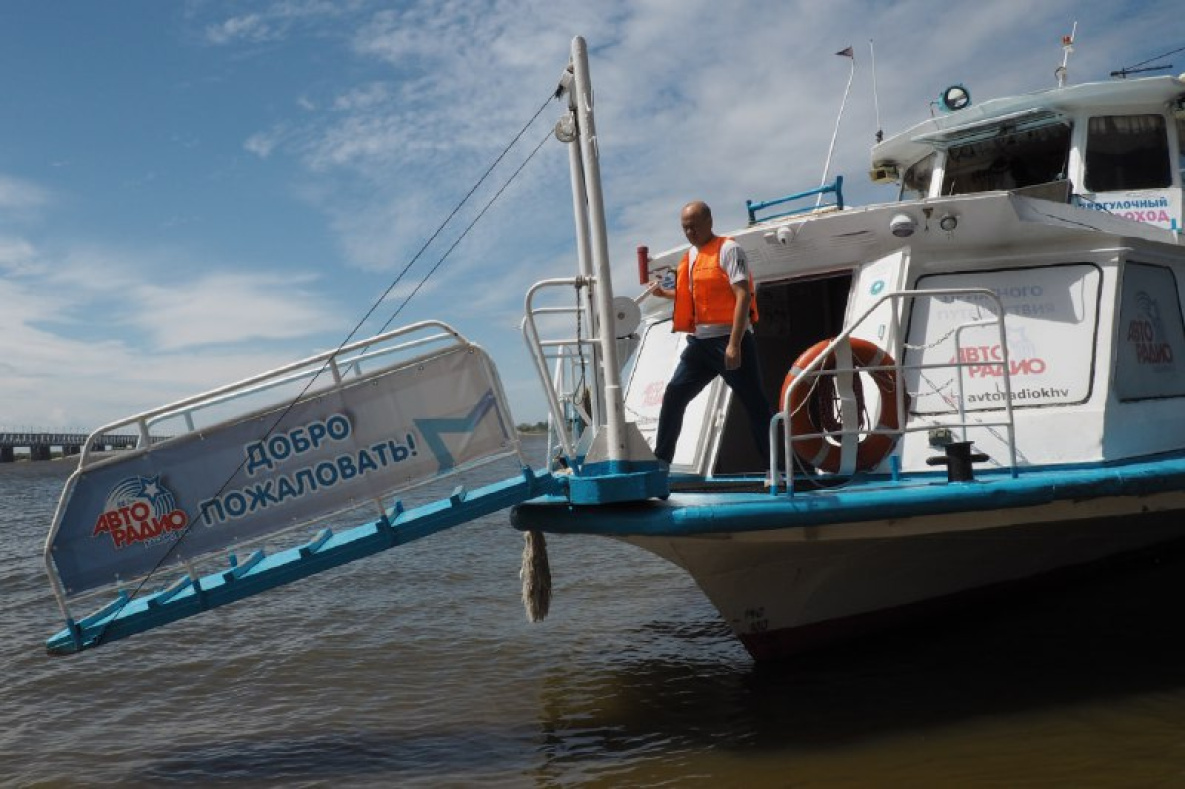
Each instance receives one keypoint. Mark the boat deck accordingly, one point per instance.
(743, 504)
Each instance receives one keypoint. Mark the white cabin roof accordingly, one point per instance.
(1045, 106)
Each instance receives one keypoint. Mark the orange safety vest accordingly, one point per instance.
(706, 295)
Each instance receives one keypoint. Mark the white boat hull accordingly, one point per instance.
(784, 591)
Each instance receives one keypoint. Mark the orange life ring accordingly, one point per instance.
(824, 454)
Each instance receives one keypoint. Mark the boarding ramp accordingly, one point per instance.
(339, 433)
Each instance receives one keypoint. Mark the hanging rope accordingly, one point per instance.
(535, 574)
(349, 337)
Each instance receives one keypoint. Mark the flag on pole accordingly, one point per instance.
(847, 53)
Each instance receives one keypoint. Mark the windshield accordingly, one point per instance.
(915, 184)
(1008, 161)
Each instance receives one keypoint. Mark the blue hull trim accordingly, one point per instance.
(862, 500)
(259, 573)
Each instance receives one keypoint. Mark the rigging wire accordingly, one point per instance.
(1158, 57)
(465, 232)
(373, 308)
(449, 218)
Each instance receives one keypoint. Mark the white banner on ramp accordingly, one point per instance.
(280, 467)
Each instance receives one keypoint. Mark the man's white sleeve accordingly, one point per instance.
(734, 263)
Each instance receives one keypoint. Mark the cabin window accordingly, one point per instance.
(1150, 348)
(1009, 160)
(1127, 152)
(915, 184)
(1050, 325)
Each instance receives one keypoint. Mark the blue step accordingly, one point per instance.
(187, 596)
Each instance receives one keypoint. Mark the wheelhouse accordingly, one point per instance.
(1114, 147)
(1053, 210)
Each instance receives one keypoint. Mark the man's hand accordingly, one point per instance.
(740, 320)
(732, 357)
(655, 288)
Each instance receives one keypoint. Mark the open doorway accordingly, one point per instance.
(795, 314)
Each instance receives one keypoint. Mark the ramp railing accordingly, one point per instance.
(566, 364)
(277, 452)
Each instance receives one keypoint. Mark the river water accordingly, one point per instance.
(417, 668)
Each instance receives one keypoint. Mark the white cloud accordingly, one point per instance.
(83, 348)
(275, 21)
(17, 194)
(16, 253)
(250, 27)
(178, 311)
(362, 97)
(262, 144)
(228, 308)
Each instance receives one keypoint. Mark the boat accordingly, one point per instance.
(977, 385)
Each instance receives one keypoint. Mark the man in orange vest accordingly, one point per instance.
(714, 303)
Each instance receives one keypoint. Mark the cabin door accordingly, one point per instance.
(795, 314)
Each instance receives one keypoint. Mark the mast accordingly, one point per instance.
(1067, 47)
(618, 464)
(583, 252)
(614, 406)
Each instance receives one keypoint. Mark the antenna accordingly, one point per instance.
(847, 53)
(1139, 68)
(1067, 48)
(876, 103)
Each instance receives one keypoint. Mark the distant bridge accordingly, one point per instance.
(40, 444)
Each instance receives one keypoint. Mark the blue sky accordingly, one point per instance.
(194, 192)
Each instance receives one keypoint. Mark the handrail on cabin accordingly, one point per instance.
(835, 187)
(780, 425)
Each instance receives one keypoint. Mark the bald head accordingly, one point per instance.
(697, 223)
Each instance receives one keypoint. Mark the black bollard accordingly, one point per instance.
(958, 460)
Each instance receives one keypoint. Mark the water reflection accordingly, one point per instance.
(1110, 635)
(416, 668)
(675, 701)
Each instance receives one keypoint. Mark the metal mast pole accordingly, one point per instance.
(583, 255)
(615, 446)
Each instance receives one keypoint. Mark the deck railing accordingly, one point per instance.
(835, 187)
(781, 425)
(566, 365)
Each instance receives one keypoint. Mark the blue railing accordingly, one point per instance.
(835, 187)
